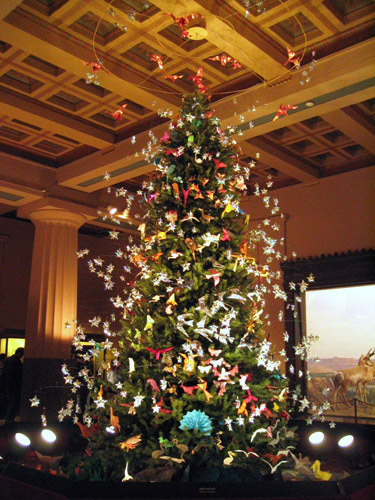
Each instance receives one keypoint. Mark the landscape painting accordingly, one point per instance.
(341, 361)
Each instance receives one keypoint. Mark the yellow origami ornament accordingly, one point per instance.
(319, 474)
(189, 362)
(161, 235)
(142, 229)
(228, 208)
(243, 409)
(149, 323)
(171, 302)
(203, 387)
(276, 407)
(100, 393)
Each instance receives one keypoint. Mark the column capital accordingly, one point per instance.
(55, 211)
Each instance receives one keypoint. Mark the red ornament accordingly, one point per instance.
(283, 110)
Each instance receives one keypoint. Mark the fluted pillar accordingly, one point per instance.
(52, 303)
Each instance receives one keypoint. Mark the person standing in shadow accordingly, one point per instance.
(12, 377)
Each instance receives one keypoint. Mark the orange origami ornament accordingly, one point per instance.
(131, 443)
(114, 421)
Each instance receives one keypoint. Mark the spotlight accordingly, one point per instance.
(111, 210)
(22, 439)
(346, 441)
(48, 435)
(316, 437)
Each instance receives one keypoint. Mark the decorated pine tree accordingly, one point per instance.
(192, 382)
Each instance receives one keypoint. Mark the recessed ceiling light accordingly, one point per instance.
(310, 104)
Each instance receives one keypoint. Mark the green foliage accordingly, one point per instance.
(192, 335)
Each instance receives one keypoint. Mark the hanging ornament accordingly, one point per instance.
(283, 110)
(118, 114)
(157, 352)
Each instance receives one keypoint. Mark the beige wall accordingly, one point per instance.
(335, 215)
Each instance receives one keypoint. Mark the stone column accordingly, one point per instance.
(52, 304)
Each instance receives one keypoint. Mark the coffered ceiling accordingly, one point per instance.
(60, 139)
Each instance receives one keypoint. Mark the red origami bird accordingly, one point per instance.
(198, 81)
(173, 78)
(283, 110)
(95, 66)
(292, 58)
(157, 352)
(158, 60)
(117, 115)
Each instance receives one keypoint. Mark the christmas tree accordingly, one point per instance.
(192, 382)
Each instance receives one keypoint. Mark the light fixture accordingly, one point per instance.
(316, 437)
(346, 441)
(48, 435)
(111, 209)
(309, 104)
(22, 439)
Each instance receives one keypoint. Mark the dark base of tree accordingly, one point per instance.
(17, 481)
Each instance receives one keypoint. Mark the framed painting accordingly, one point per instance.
(337, 314)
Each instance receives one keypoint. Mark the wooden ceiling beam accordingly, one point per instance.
(353, 126)
(7, 6)
(349, 67)
(335, 72)
(52, 44)
(33, 112)
(280, 160)
(248, 45)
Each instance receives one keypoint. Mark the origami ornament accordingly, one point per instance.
(186, 194)
(114, 421)
(225, 236)
(149, 323)
(189, 389)
(157, 352)
(117, 115)
(319, 474)
(243, 409)
(161, 235)
(173, 78)
(292, 58)
(283, 110)
(228, 208)
(131, 443)
(215, 275)
(189, 362)
(198, 81)
(172, 216)
(189, 216)
(87, 431)
(95, 66)
(203, 387)
(158, 59)
(176, 190)
(153, 384)
(171, 302)
(174, 255)
(219, 164)
(206, 217)
(165, 137)
(127, 476)
(156, 257)
(142, 229)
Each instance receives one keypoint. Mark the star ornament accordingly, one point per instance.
(34, 401)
